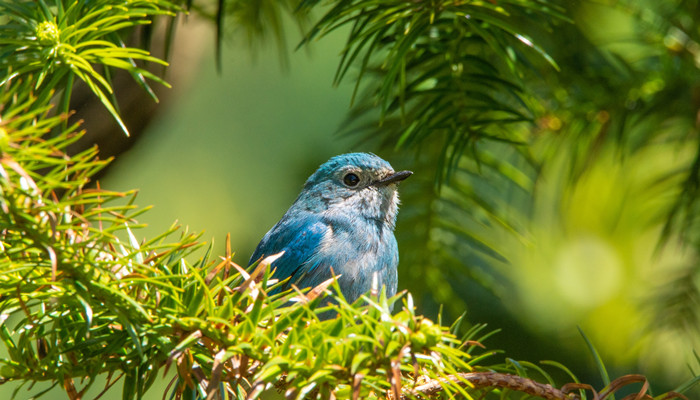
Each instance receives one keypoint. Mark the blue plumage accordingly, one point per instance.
(343, 220)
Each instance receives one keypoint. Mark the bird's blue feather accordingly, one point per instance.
(299, 238)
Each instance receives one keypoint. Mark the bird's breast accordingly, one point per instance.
(361, 254)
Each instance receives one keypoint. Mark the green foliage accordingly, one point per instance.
(75, 298)
(51, 42)
(449, 70)
(259, 341)
(81, 297)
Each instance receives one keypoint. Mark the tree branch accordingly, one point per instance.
(480, 380)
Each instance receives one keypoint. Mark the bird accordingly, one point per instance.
(341, 224)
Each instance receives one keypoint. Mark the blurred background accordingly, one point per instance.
(592, 227)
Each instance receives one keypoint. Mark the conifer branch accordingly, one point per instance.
(482, 380)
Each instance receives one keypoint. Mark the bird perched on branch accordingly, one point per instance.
(342, 223)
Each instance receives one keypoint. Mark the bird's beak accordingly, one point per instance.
(393, 178)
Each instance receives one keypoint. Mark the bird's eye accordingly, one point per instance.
(351, 180)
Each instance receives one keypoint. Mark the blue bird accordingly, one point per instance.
(342, 223)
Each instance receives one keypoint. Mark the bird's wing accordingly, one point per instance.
(299, 238)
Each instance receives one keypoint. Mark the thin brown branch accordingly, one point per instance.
(111, 383)
(481, 380)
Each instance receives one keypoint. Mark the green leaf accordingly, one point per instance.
(596, 357)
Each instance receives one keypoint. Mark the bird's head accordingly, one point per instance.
(354, 185)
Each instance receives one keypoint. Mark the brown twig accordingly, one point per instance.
(480, 380)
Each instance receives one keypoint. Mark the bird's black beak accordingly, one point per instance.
(393, 178)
